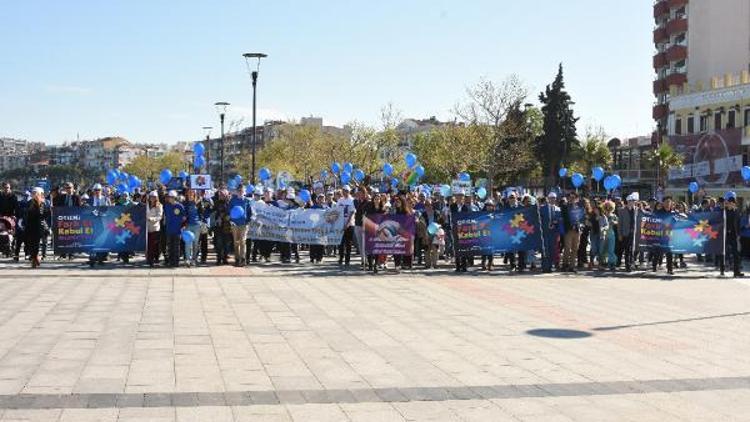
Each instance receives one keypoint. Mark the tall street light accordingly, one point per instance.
(221, 108)
(249, 59)
(207, 131)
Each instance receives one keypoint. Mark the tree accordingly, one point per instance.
(449, 150)
(149, 168)
(592, 152)
(494, 112)
(559, 136)
(662, 159)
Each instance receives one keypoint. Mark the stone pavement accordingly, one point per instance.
(310, 343)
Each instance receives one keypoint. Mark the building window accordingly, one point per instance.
(691, 125)
(747, 117)
(704, 124)
(678, 127)
(731, 119)
(717, 121)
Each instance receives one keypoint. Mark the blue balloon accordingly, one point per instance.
(693, 187)
(237, 212)
(111, 178)
(165, 176)
(123, 188)
(188, 236)
(419, 170)
(324, 174)
(464, 177)
(304, 195)
(411, 159)
(395, 182)
(445, 191)
(746, 173)
(336, 167)
(563, 172)
(249, 189)
(597, 173)
(264, 174)
(730, 195)
(617, 180)
(238, 179)
(199, 149)
(232, 184)
(183, 175)
(359, 175)
(387, 169)
(348, 168)
(482, 193)
(577, 179)
(199, 161)
(433, 228)
(345, 177)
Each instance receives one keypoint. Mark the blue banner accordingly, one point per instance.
(701, 233)
(99, 229)
(489, 233)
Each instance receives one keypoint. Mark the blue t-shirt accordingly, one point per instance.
(174, 214)
(191, 213)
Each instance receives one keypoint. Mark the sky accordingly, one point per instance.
(151, 70)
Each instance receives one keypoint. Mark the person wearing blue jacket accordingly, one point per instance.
(174, 217)
(239, 223)
(193, 225)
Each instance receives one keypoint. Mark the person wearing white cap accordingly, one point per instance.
(98, 199)
(36, 224)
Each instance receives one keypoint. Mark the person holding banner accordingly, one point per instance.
(458, 206)
(98, 199)
(37, 215)
(317, 251)
(489, 260)
(346, 204)
(732, 224)
(154, 215)
(663, 210)
(174, 215)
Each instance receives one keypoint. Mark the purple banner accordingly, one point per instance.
(389, 234)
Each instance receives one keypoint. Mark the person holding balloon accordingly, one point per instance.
(174, 216)
(193, 225)
(239, 213)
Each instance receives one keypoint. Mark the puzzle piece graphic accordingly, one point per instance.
(113, 227)
(710, 232)
(702, 225)
(123, 237)
(693, 233)
(699, 241)
(518, 237)
(136, 230)
(508, 229)
(123, 219)
(517, 220)
(526, 227)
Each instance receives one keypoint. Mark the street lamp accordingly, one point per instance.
(207, 131)
(249, 58)
(221, 108)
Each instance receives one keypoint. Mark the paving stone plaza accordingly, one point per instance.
(305, 343)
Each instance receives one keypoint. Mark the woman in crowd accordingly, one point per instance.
(37, 226)
(154, 215)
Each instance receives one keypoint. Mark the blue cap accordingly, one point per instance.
(730, 195)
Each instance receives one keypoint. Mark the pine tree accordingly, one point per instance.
(559, 137)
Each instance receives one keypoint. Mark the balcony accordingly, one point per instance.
(661, 8)
(660, 60)
(676, 53)
(660, 86)
(676, 79)
(660, 111)
(660, 35)
(674, 4)
(676, 26)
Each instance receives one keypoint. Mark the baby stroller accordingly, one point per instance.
(7, 231)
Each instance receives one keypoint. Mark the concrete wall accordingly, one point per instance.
(718, 38)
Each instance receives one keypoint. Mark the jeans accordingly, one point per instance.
(608, 254)
(595, 241)
(191, 249)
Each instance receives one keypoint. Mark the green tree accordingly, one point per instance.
(149, 168)
(559, 138)
(662, 159)
(592, 152)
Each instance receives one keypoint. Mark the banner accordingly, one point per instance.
(489, 233)
(99, 229)
(389, 234)
(309, 226)
(701, 233)
(200, 182)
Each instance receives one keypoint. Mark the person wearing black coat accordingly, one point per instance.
(732, 237)
(462, 262)
(37, 215)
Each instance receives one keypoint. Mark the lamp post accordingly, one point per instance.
(249, 57)
(207, 131)
(221, 108)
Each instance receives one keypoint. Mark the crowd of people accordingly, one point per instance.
(581, 233)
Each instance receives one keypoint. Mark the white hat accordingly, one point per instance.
(153, 194)
(172, 194)
(633, 197)
(269, 190)
(290, 191)
(347, 188)
(97, 186)
(84, 196)
(552, 195)
(37, 189)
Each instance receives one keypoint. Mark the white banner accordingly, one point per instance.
(299, 225)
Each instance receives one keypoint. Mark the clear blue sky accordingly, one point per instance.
(151, 70)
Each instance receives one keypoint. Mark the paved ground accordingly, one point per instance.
(304, 344)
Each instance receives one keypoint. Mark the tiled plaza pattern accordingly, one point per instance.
(291, 343)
